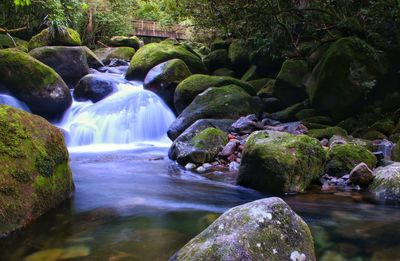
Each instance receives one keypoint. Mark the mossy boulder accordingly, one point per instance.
(344, 76)
(258, 84)
(327, 133)
(163, 79)
(217, 59)
(125, 41)
(95, 87)
(228, 102)
(220, 44)
(385, 126)
(121, 53)
(153, 54)
(251, 74)
(33, 82)
(223, 72)
(289, 84)
(267, 229)
(306, 113)
(342, 158)
(192, 86)
(386, 185)
(34, 168)
(239, 54)
(62, 36)
(277, 162)
(71, 63)
(14, 42)
(199, 147)
(267, 90)
(288, 114)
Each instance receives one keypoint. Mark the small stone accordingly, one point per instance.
(296, 256)
(361, 175)
(207, 165)
(201, 169)
(239, 160)
(190, 166)
(325, 142)
(234, 166)
(229, 148)
(232, 157)
(231, 136)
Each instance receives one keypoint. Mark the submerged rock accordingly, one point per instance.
(61, 36)
(386, 185)
(277, 162)
(228, 102)
(33, 82)
(266, 229)
(34, 168)
(153, 54)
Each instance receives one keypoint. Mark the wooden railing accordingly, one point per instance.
(154, 29)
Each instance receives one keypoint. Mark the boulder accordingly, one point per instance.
(228, 102)
(259, 83)
(344, 76)
(289, 84)
(288, 114)
(198, 147)
(361, 175)
(265, 229)
(14, 42)
(386, 185)
(277, 162)
(95, 87)
(327, 133)
(121, 53)
(34, 168)
(153, 54)
(251, 74)
(223, 72)
(220, 44)
(188, 89)
(125, 41)
(71, 63)
(239, 54)
(60, 36)
(342, 158)
(33, 82)
(217, 59)
(163, 79)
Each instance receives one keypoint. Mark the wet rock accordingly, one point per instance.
(295, 128)
(229, 148)
(246, 125)
(277, 162)
(95, 87)
(386, 185)
(217, 59)
(228, 102)
(361, 175)
(266, 229)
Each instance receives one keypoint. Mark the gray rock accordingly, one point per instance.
(266, 229)
(386, 185)
(361, 175)
(96, 87)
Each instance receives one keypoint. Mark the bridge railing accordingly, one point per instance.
(154, 29)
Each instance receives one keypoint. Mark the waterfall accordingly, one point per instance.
(13, 102)
(129, 115)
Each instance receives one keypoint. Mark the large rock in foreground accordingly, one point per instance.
(386, 185)
(188, 89)
(228, 102)
(71, 63)
(34, 171)
(153, 54)
(61, 36)
(344, 76)
(34, 83)
(266, 229)
(277, 162)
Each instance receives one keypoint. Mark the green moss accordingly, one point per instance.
(153, 54)
(385, 126)
(259, 83)
(224, 72)
(289, 113)
(217, 59)
(250, 74)
(209, 136)
(239, 54)
(68, 37)
(327, 133)
(125, 41)
(344, 157)
(188, 89)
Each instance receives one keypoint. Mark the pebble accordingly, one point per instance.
(207, 165)
(233, 166)
(190, 166)
(201, 169)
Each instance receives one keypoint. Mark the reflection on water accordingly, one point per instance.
(138, 205)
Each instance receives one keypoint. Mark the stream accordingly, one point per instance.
(133, 203)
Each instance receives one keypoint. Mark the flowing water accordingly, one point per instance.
(132, 203)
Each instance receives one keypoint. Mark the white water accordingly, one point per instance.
(130, 117)
(13, 102)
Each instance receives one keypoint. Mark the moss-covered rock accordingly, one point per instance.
(223, 72)
(267, 90)
(188, 89)
(368, 134)
(14, 42)
(125, 41)
(342, 158)
(258, 84)
(33, 82)
(228, 102)
(163, 79)
(306, 113)
(200, 147)
(220, 44)
(153, 54)
(61, 37)
(386, 185)
(122, 53)
(288, 114)
(289, 84)
(250, 74)
(278, 162)
(319, 120)
(217, 59)
(266, 229)
(34, 168)
(239, 54)
(385, 126)
(71, 63)
(344, 76)
(327, 133)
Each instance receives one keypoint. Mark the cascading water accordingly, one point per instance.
(13, 102)
(128, 116)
